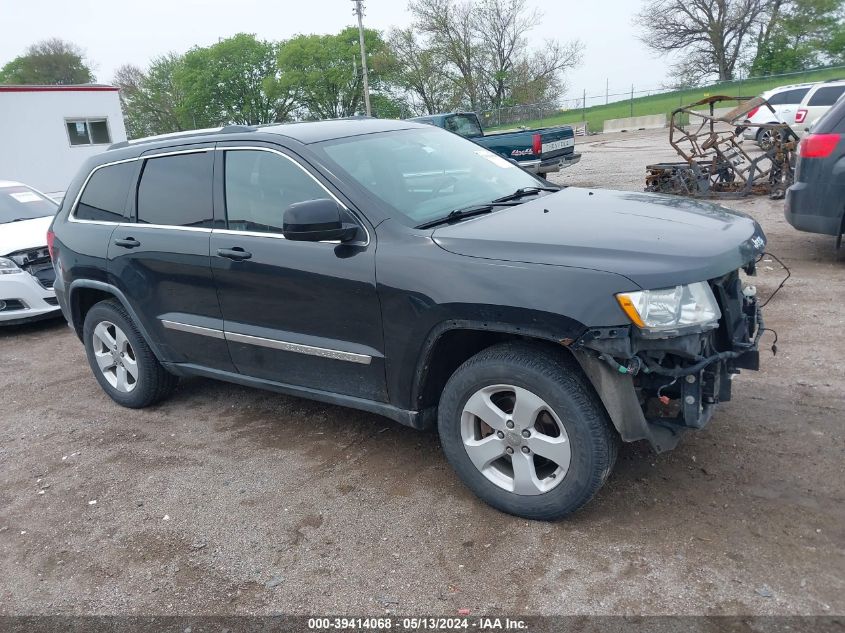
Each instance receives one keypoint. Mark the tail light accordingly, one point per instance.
(50, 239)
(800, 116)
(752, 112)
(537, 144)
(818, 145)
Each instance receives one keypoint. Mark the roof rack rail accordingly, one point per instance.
(226, 129)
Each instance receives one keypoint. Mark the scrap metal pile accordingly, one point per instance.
(715, 162)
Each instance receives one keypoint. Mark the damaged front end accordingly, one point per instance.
(658, 384)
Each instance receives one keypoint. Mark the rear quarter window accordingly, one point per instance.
(826, 96)
(176, 190)
(105, 194)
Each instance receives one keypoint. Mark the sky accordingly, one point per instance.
(115, 32)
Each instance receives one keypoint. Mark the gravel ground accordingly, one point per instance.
(228, 500)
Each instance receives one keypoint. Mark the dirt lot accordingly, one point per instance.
(230, 500)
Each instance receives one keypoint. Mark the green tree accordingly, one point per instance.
(234, 81)
(420, 73)
(51, 61)
(324, 72)
(800, 34)
(153, 101)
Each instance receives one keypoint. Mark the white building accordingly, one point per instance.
(47, 132)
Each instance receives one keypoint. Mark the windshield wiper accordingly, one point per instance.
(524, 191)
(466, 212)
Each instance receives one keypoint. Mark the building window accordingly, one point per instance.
(88, 131)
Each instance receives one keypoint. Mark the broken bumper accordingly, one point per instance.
(655, 389)
(552, 165)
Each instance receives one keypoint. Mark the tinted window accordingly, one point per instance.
(22, 203)
(779, 98)
(794, 97)
(260, 186)
(826, 96)
(176, 190)
(463, 125)
(104, 197)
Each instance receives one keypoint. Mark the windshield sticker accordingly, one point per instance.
(26, 196)
(494, 158)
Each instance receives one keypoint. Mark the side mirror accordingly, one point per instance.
(316, 221)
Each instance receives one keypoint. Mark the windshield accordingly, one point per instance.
(22, 203)
(423, 174)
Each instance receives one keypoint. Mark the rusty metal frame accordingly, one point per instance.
(715, 162)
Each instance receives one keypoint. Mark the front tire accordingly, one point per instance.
(526, 432)
(121, 360)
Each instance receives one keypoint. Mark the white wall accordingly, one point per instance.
(34, 144)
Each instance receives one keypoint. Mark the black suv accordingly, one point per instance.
(816, 202)
(400, 269)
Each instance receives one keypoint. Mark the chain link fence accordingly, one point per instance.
(594, 109)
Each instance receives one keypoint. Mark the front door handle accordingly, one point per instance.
(128, 242)
(237, 253)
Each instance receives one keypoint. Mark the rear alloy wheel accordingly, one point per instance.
(121, 360)
(525, 430)
(115, 357)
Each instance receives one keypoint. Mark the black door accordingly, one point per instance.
(299, 313)
(160, 260)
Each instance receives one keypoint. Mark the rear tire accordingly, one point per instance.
(121, 360)
(526, 432)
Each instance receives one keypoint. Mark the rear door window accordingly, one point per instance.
(104, 197)
(176, 190)
(826, 96)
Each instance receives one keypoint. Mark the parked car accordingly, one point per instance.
(784, 101)
(539, 151)
(26, 273)
(818, 100)
(816, 201)
(397, 268)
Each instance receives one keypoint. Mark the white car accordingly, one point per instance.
(818, 100)
(785, 101)
(26, 272)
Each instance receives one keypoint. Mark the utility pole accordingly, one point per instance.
(359, 11)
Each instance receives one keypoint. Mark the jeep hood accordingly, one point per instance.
(17, 236)
(654, 240)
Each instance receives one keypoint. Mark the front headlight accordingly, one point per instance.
(8, 267)
(671, 308)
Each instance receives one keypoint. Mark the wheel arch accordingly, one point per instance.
(84, 294)
(452, 343)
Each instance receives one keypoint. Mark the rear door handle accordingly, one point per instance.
(128, 242)
(237, 253)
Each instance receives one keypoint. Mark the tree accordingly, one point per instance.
(153, 101)
(710, 35)
(419, 71)
(482, 48)
(323, 71)
(234, 81)
(800, 34)
(51, 61)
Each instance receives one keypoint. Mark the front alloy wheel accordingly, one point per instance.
(525, 430)
(515, 439)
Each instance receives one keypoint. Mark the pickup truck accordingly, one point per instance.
(540, 151)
